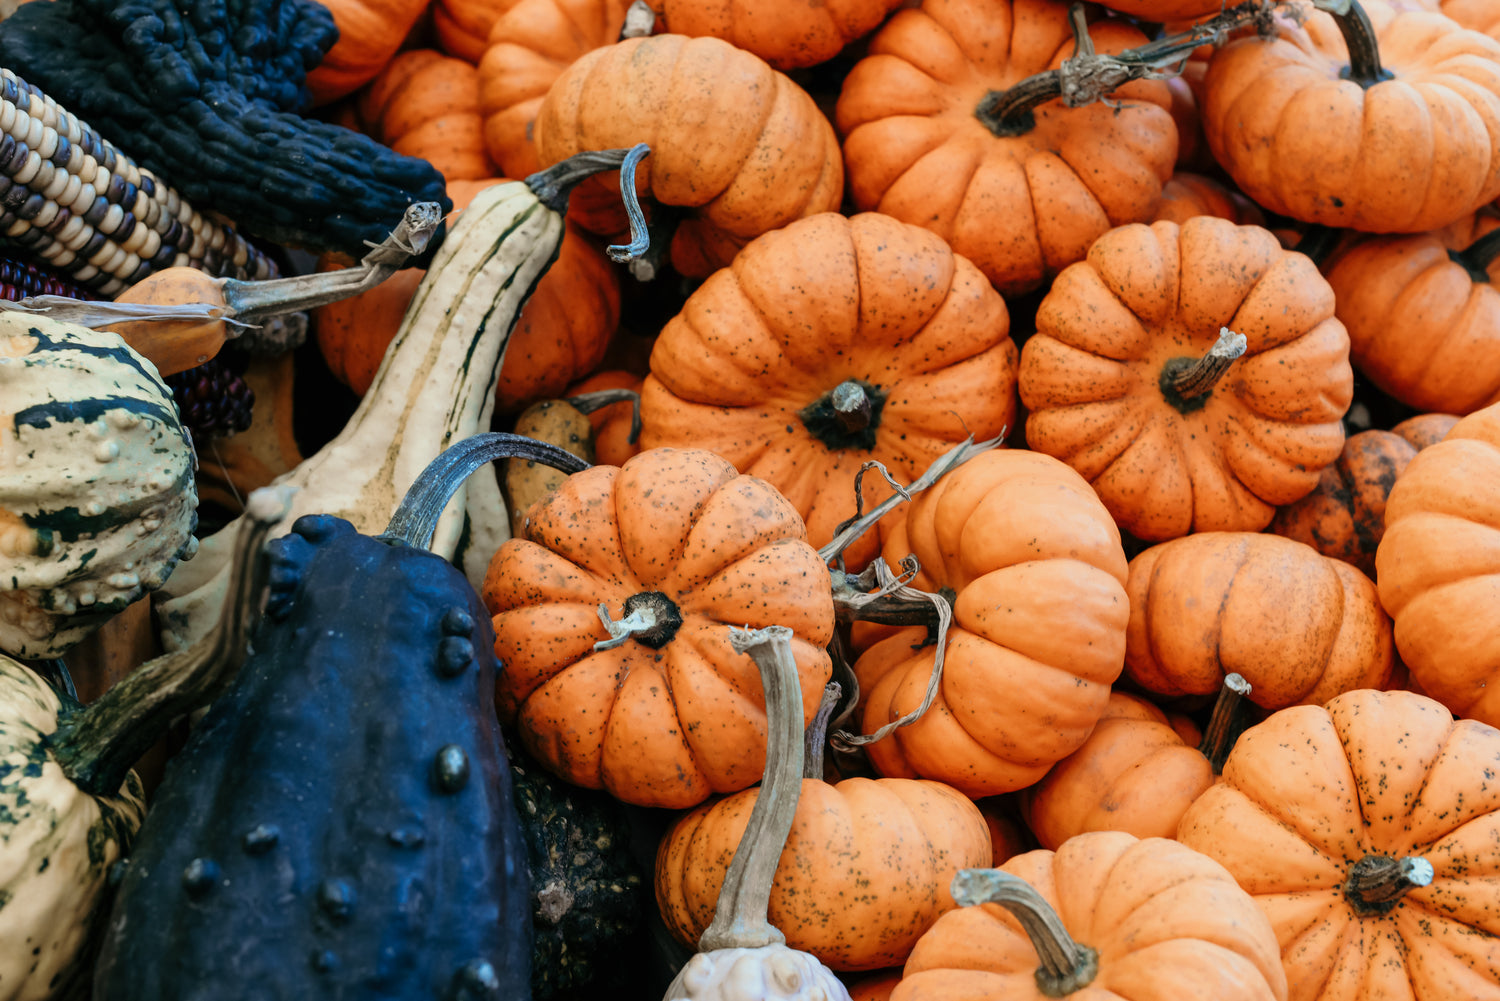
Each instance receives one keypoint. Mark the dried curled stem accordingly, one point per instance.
(1067, 966)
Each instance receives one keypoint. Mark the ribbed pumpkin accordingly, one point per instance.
(611, 424)
(1136, 773)
(1306, 134)
(669, 714)
(864, 873)
(1038, 635)
(563, 331)
(1439, 566)
(824, 345)
(426, 104)
(370, 32)
(463, 26)
(1026, 200)
(1133, 381)
(1480, 15)
(1366, 832)
(528, 47)
(1300, 627)
(786, 35)
(1423, 316)
(773, 158)
(1112, 917)
(1344, 516)
(1187, 195)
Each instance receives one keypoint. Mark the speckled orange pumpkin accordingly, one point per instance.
(426, 104)
(1300, 627)
(1187, 195)
(764, 353)
(786, 35)
(679, 543)
(1366, 831)
(1122, 382)
(864, 873)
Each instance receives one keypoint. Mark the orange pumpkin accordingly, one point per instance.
(1366, 832)
(674, 544)
(426, 104)
(1135, 773)
(1480, 15)
(1126, 382)
(876, 986)
(1299, 627)
(864, 873)
(1008, 834)
(611, 424)
(527, 48)
(463, 26)
(1439, 566)
(1022, 199)
(773, 159)
(1038, 634)
(1308, 133)
(866, 314)
(1187, 195)
(1423, 316)
(1425, 429)
(1344, 516)
(563, 330)
(787, 36)
(1105, 917)
(370, 32)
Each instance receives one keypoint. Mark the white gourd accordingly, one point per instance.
(97, 502)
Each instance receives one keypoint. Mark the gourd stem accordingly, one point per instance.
(1318, 242)
(816, 737)
(640, 21)
(553, 185)
(96, 746)
(1067, 966)
(1477, 256)
(1364, 54)
(587, 403)
(741, 916)
(1226, 722)
(415, 520)
(1376, 883)
(1189, 378)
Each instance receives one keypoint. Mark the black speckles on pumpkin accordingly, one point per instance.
(199, 876)
(450, 769)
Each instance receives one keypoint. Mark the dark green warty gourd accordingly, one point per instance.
(207, 94)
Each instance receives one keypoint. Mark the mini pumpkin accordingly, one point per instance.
(426, 104)
(1187, 195)
(1039, 615)
(786, 35)
(774, 158)
(1023, 195)
(1365, 830)
(826, 344)
(1299, 627)
(369, 33)
(1332, 122)
(1195, 375)
(1105, 916)
(1439, 569)
(673, 545)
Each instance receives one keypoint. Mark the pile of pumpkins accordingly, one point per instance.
(1098, 454)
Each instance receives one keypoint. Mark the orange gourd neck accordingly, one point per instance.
(846, 417)
(1377, 883)
(1187, 382)
(1364, 54)
(1477, 256)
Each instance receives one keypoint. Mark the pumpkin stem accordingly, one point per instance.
(863, 521)
(847, 416)
(816, 736)
(1318, 242)
(1186, 382)
(640, 21)
(553, 185)
(650, 618)
(1477, 256)
(1359, 38)
(96, 746)
(1377, 883)
(1087, 77)
(1067, 966)
(587, 403)
(1226, 722)
(417, 516)
(741, 916)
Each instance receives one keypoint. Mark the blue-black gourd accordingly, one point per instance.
(207, 95)
(341, 823)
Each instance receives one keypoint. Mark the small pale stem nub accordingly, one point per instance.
(1200, 377)
(1376, 883)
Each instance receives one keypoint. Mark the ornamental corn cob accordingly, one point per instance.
(19, 279)
(71, 199)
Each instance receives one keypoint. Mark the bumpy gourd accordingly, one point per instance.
(97, 502)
